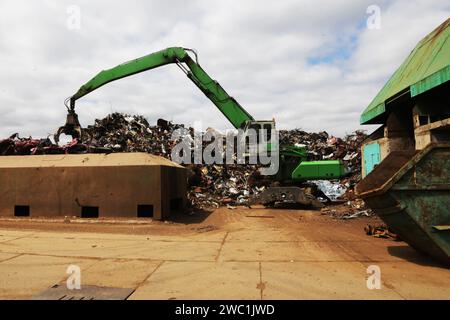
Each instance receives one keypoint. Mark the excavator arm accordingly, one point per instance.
(232, 110)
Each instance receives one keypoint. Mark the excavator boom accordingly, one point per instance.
(232, 110)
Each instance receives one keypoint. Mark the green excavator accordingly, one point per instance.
(294, 167)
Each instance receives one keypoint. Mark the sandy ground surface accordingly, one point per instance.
(228, 254)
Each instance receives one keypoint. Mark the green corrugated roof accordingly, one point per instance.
(427, 66)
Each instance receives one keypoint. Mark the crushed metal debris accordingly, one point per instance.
(210, 186)
(379, 231)
(349, 210)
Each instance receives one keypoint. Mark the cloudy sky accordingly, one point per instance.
(313, 65)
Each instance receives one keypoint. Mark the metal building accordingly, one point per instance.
(413, 107)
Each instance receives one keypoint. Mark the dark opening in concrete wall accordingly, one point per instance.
(89, 212)
(145, 211)
(22, 211)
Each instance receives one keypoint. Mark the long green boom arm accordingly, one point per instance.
(232, 110)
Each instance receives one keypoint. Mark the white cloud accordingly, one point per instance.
(258, 51)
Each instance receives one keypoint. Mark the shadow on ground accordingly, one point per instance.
(412, 255)
(191, 218)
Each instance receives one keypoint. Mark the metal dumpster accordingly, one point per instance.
(410, 192)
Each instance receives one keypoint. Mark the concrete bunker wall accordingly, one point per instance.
(103, 191)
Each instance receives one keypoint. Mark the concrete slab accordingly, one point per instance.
(240, 258)
(26, 275)
(378, 251)
(416, 281)
(308, 280)
(259, 235)
(14, 233)
(172, 251)
(283, 251)
(118, 273)
(202, 280)
(6, 238)
(120, 248)
(63, 247)
(343, 231)
(7, 256)
(214, 236)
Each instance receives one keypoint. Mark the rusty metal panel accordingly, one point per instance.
(60, 292)
(412, 197)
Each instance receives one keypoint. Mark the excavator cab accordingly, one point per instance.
(258, 135)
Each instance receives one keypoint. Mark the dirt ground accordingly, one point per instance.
(227, 254)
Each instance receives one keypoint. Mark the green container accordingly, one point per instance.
(410, 192)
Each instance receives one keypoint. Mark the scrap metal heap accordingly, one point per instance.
(210, 185)
(322, 146)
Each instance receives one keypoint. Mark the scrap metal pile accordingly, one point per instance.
(322, 146)
(124, 133)
(215, 185)
(210, 185)
(115, 133)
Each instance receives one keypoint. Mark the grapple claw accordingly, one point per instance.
(71, 128)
